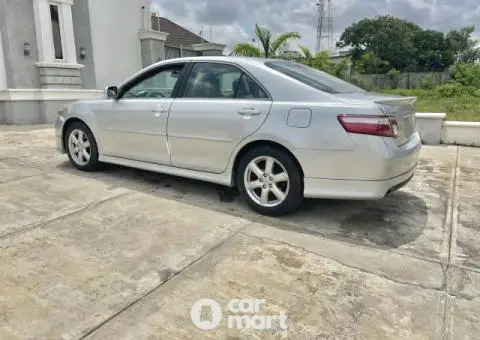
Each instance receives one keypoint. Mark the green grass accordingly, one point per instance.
(461, 107)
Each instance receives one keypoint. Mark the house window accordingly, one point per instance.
(54, 32)
(57, 36)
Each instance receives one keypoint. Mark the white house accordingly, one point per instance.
(56, 51)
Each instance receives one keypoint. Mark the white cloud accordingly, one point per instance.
(233, 20)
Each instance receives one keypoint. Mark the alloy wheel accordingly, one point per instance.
(266, 181)
(79, 147)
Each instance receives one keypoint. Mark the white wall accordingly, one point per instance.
(3, 74)
(461, 133)
(116, 46)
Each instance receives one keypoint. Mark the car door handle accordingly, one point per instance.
(158, 111)
(248, 111)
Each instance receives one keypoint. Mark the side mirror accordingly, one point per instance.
(111, 92)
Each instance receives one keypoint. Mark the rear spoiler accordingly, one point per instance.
(397, 101)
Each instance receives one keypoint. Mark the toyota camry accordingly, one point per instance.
(276, 130)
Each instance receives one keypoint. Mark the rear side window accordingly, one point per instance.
(247, 88)
(313, 77)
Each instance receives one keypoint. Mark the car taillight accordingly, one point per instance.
(385, 126)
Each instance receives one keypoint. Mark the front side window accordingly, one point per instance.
(216, 80)
(57, 36)
(157, 85)
(313, 77)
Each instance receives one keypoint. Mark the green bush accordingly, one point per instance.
(457, 101)
(394, 75)
(427, 83)
(359, 83)
(467, 75)
(450, 90)
(410, 92)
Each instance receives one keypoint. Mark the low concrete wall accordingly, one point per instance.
(429, 127)
(434, 130)
(461, 133)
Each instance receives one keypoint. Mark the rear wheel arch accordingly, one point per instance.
(258, 143)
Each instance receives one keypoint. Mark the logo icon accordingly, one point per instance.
(206, 314)
(196, 314)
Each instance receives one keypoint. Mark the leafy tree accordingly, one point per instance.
(432, 52)
(387, 38)
(406, 46)
(463, 46)
(269, 47)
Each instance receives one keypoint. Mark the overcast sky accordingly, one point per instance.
(232, 21)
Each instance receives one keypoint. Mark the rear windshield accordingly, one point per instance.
(313, 77)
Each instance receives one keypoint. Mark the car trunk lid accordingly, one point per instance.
(402, 108)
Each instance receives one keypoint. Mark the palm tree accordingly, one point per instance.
(322, 61)
(269, 47)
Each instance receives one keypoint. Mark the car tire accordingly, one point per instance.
(80, 142)
(283, 181)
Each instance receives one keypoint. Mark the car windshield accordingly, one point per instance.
(313, 77)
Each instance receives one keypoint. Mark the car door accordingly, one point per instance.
(134, 126)
(220, 106)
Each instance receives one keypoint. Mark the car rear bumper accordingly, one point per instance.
(373, 159)
(352, 189)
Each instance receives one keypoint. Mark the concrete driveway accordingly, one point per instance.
(124, 254)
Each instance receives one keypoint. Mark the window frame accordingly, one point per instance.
(242, 70)
(44, 33)
(151, 73)
(63, 44)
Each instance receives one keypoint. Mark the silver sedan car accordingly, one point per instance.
(277, 130)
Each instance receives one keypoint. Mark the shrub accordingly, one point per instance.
(371, 64)
(427, 83)
(450, 90)
(394, 74)
(467, 74)
(360, 83)
(410, 92)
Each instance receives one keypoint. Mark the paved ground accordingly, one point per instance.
(123, 254)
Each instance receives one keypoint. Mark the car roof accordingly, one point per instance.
(241, 60)
(234, 59)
